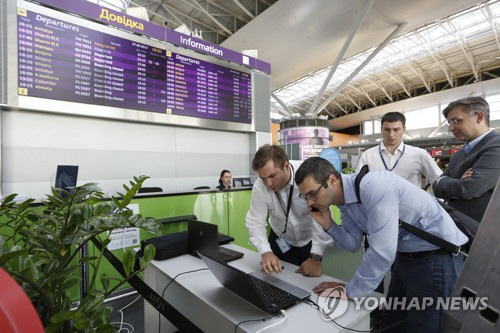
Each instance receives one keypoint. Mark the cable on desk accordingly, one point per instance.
(282, 313)
(316, 306)
(168, 284)
(256, 320)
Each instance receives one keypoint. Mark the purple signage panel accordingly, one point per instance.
(62, 61)
(131, 23)
(312, 140)
(109, 16)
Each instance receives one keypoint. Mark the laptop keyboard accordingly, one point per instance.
(272, 296)
(228, 254)
(223, 256)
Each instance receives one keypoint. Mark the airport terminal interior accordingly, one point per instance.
(130, 139)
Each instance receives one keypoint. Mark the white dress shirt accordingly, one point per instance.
(410, 163)
(301, 226)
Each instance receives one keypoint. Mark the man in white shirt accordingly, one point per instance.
(394, 155)
(293, 236)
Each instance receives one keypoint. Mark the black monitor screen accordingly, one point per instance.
(66, 176)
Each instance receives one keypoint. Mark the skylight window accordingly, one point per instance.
(444, 34)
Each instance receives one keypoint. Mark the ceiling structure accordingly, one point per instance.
(214, 20)
(438, 45)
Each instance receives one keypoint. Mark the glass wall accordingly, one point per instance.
(431, 116)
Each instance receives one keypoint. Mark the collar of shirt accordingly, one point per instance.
(474, 142)
(291, 182)
(348, 187)
(383, 148)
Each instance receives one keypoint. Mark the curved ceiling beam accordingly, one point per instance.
(360, 67)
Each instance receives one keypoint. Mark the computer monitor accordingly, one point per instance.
(66, 176)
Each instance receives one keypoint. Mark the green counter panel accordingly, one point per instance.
(226, 209)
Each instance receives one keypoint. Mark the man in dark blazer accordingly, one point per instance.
(470, 178)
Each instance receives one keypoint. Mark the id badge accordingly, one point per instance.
(284, 246)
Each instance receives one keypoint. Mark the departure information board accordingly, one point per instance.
(63, 61)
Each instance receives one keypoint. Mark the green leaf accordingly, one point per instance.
(80, 320)
(149, 253)
(66, 315)
(69, 283)
(2, 245)
(57, 318)
(8, 199)
(53, 328)
(90, 302)
(106, 242)
(105, 281)
(128, 261)
(52, 267)
(11, 255)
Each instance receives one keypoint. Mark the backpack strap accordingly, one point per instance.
(444, 244)
(364, 170)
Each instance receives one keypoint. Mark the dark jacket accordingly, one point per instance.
(471, 195)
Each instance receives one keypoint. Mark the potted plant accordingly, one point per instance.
(39, 247)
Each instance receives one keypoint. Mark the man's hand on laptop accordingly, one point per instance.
(310, 268)
(270, 263)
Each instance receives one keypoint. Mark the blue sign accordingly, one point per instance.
(333, 156)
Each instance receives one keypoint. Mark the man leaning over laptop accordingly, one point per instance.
(421, 269)
(293, 237)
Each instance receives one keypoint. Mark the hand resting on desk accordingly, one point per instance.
(270, 263)
(331, 289)
(310, 268)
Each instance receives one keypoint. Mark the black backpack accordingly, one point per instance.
(465, 223)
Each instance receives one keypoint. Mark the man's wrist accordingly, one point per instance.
(315, 257)
(328, 225)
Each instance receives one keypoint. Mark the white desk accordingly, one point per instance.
(211, 307)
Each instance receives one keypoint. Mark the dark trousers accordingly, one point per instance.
(296, 255)
(429, 276)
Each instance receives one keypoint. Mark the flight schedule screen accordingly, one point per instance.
(63, 61)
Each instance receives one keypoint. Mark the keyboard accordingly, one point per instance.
(226, 254)
(272, 296)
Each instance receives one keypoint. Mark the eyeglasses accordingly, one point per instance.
(455, 121)
(458, 120)
(312, 195)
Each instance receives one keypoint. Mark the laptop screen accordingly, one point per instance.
(203, 238)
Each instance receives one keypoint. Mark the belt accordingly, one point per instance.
(423, 253)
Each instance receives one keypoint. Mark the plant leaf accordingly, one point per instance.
(149, 253)
(11, 255)
(128, 261)
(104, 281)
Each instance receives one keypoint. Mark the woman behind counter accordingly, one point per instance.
(224, 180)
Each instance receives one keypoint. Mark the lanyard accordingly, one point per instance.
(289, 203)
(385, 165)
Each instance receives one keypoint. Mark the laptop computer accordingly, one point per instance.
(204, 238)
(265, 292)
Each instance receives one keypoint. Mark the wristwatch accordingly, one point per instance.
(315, 257)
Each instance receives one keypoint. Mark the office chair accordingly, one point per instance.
(237, 182)
(150, 189)
(243, 181)
(202, 188)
